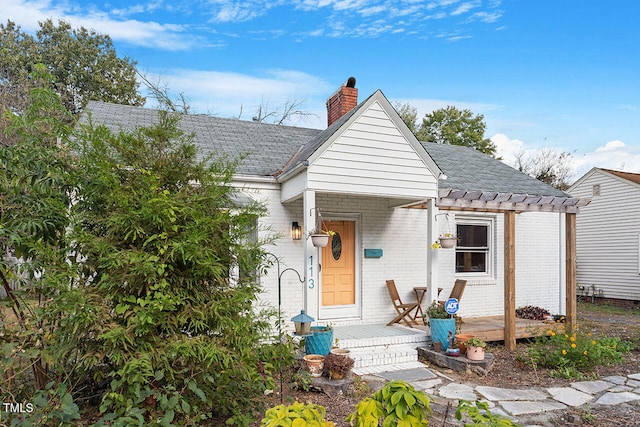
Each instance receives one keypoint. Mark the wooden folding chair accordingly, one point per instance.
(458, 289)
(403, 310)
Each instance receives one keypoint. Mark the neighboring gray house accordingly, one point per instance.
(608, 234)
(388, 197)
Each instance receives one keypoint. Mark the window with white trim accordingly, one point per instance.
(473, 251)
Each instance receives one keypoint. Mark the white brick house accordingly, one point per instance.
(389, 197)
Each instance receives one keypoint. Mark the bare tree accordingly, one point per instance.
(549, 166)
(160, 92)
(278, 115)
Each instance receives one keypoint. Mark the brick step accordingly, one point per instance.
(384, 355)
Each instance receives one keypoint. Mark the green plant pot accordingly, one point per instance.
(440, 329)
(319, 342)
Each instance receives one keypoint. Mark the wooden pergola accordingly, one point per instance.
(511, 204)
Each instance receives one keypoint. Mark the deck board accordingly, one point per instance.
(491, 328)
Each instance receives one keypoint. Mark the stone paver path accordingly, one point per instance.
(516, 403)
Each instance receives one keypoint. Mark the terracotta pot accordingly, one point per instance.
(437, 346)
(341, 352)
(475, 353)
(336, 375)
(314, 364)
(460, 339)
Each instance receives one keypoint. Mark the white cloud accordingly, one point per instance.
(27, 14)
(226, 94)
(465, 7)
(508, 149)
(613, 155)
(611, 146)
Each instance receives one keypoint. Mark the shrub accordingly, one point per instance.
(479, 414)
(531, 312)
(396, 404)
(571, 354)
(296, 414)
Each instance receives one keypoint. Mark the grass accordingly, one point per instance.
(607, 308)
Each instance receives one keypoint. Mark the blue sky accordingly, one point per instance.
(554, 74)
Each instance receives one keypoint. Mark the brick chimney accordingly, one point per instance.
(342, 101)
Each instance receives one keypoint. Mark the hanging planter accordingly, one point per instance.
(320, 240)
(447, 241)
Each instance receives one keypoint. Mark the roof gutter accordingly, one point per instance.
(293, 171)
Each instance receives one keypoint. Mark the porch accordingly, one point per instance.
(377, 348)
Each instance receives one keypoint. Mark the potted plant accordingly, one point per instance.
(320, 340)
(320, 237)
(337, 366)
(442, 326)
(447, 240)
(475, 348)
(460, 341)
(314, 364)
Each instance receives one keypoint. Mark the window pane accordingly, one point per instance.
(472, 236)
(471, 262)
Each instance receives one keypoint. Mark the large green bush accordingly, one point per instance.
(146, 296)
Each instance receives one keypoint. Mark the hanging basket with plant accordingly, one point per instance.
(447, 241)
(320, 234)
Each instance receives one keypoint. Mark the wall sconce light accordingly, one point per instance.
(296, 231)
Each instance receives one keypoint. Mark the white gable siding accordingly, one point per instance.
(372, 157)
(607, 239)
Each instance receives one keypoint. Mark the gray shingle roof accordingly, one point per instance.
(469, 169)
(269, 148)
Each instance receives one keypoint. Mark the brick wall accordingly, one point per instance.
(341, 102)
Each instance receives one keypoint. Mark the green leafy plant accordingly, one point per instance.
(479, 415)
(396, 404)
(475, 342)
(137, 296)
(296, 415)
(571, 355)
(436, 310)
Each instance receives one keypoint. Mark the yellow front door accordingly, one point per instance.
(338, 293)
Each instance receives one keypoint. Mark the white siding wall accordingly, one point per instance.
(539, 265)
(372, 157)
(607, 236)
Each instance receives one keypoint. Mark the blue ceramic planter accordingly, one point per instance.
(440, 329)
(319, 342)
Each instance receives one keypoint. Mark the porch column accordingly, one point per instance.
(310, 254)
(571, 317)
(510, 280)
(432, 254)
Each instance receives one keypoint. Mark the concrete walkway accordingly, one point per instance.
(528, 407)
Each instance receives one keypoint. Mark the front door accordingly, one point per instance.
(339, 297)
